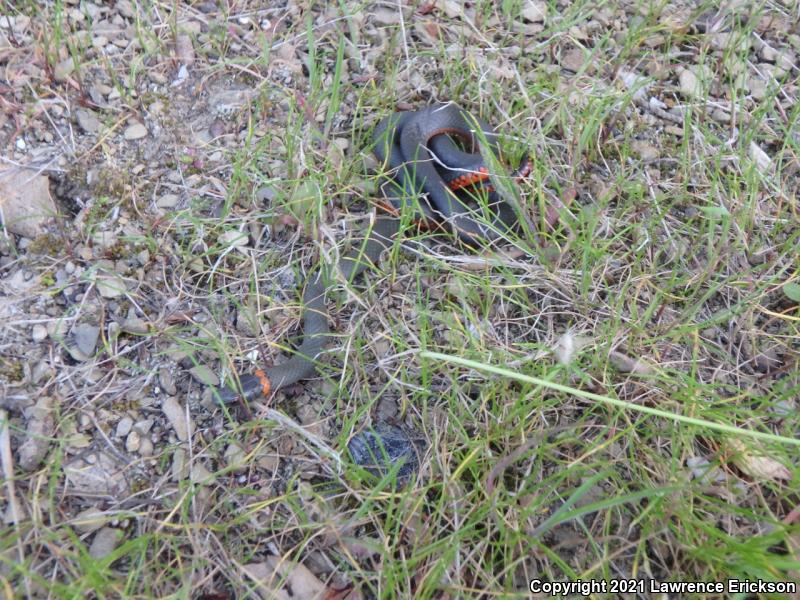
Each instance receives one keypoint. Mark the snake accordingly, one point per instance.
(434, 170)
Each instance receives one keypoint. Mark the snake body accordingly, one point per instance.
(431, 175)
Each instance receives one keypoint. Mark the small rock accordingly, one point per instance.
(573, 60)
(199, 474)
(180, 469)
(133, 442)
(157, 77)
(784, 408)
(247, 321)
(84, 341)
(269, 462)
(39, 332)
(691, 84)
(385, 16)
(38, 432)
(124, 427)
(125, 8)
(757, 87)
(204, 375)
(135, 131)
(89, 520)
(629, 364)
(720, 116)
(144, 426)
(295, 579)
(41, 370)
(234, 237)
(146, 447)
(87, 121)
(104, 542)
(167, 201)
(104, 239)
(96, 473)
(110, 286)
(167, 381)
(184, 50)
(645, 150)
(383, 447)
(25, 202)
(136, 326)
(768, 53)
(761, 159)
(178, 418)
(63, 70)
(267, 194)
(534, 11)
(235, 457)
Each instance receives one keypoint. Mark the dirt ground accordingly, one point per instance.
(172, 170)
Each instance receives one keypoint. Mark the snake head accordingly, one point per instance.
(251, 386)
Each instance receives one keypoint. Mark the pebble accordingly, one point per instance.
(40, 370)
(87, 121)
(124, 427)
(104, 542)
(204, 375)
(85, 338)
(767, 53)
(180, 469)
(167, 201)
(199, 474)
(39, 332)
(144, 426)
(385, 16)
(691, 86)
(573, 60)
(234, 238)
(136, 326)
(89, 520)
(645, 150)
(96, 473)
(184, 50)
(761, 159)
(383, 447)
(757, 87)
(63, 70)
(235, 457)
(38, 430)
(135, 131)
(146, 447)
(177, 417)
(534, 10)
(110, 286)
(720, 115)
(26, 202)
(133, 442)
(167, 381)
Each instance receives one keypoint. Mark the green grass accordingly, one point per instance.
(595, 407)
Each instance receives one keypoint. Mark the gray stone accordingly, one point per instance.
(84, 341)
(178, 418)
(135, 131)
(87, 121)
(104, 542)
